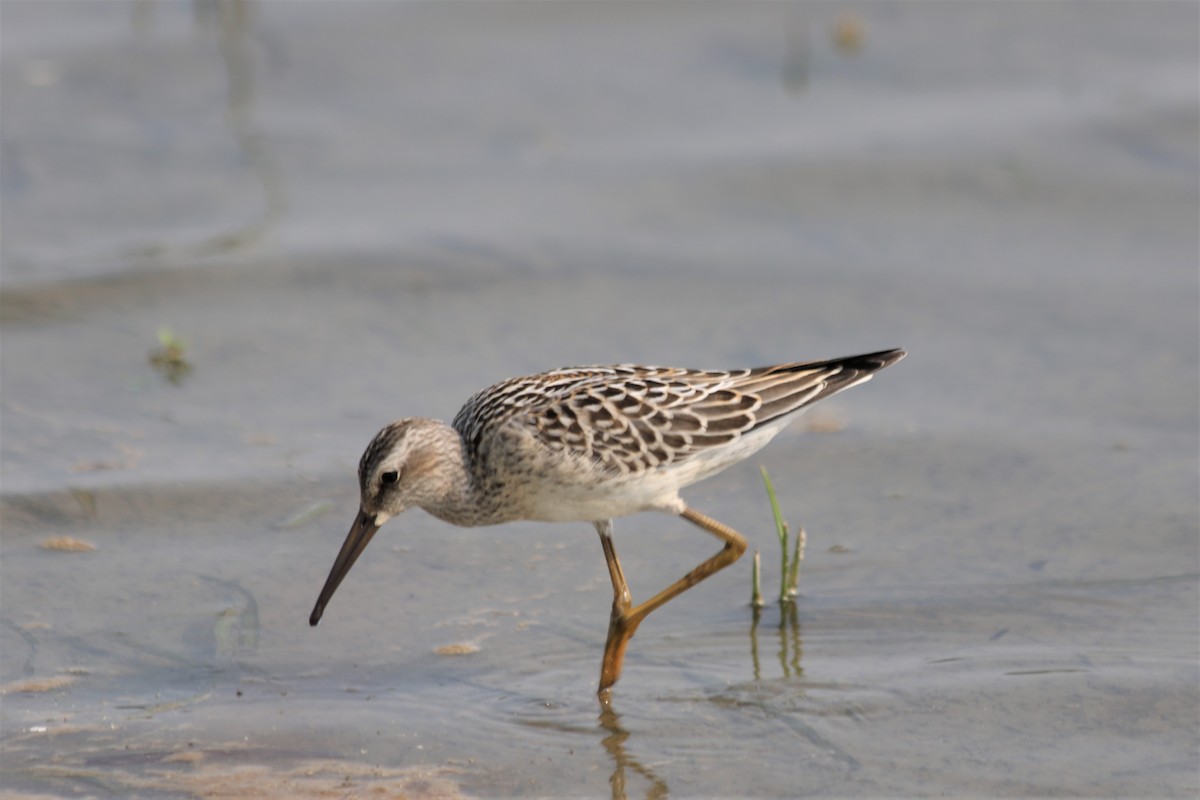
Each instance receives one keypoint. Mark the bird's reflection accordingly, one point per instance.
(790, 651)
(614, 743)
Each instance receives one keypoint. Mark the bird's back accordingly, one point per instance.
(668, 425)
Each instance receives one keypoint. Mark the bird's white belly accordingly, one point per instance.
(615, 498)
(656, 489)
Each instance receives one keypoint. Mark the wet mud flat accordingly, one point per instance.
(465, 661)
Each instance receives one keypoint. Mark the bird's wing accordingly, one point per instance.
(629, 418)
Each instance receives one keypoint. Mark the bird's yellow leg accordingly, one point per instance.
(625, 619)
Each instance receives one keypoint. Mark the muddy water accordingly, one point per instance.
(350, 213)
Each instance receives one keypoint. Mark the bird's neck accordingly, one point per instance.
(458, 498)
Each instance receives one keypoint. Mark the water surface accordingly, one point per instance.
(353, 212)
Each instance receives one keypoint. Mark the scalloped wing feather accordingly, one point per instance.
(629, 419)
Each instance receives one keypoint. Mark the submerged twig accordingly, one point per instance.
(756, 601)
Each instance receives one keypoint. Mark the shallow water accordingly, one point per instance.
(353, 212)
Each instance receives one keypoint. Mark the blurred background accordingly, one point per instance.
(238, 237)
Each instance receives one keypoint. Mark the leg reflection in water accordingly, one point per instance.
(790, 652)
(614, 743)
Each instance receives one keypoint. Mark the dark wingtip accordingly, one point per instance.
(865, 363)
(876, 361)
(315, 617)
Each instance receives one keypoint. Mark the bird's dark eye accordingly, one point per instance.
(389, 477)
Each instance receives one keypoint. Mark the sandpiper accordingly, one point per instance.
(589, 444)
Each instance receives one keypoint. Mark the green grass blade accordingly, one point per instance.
(782, 531)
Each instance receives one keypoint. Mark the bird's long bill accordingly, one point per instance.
(356, 541)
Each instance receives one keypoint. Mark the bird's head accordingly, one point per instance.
(400, 468)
